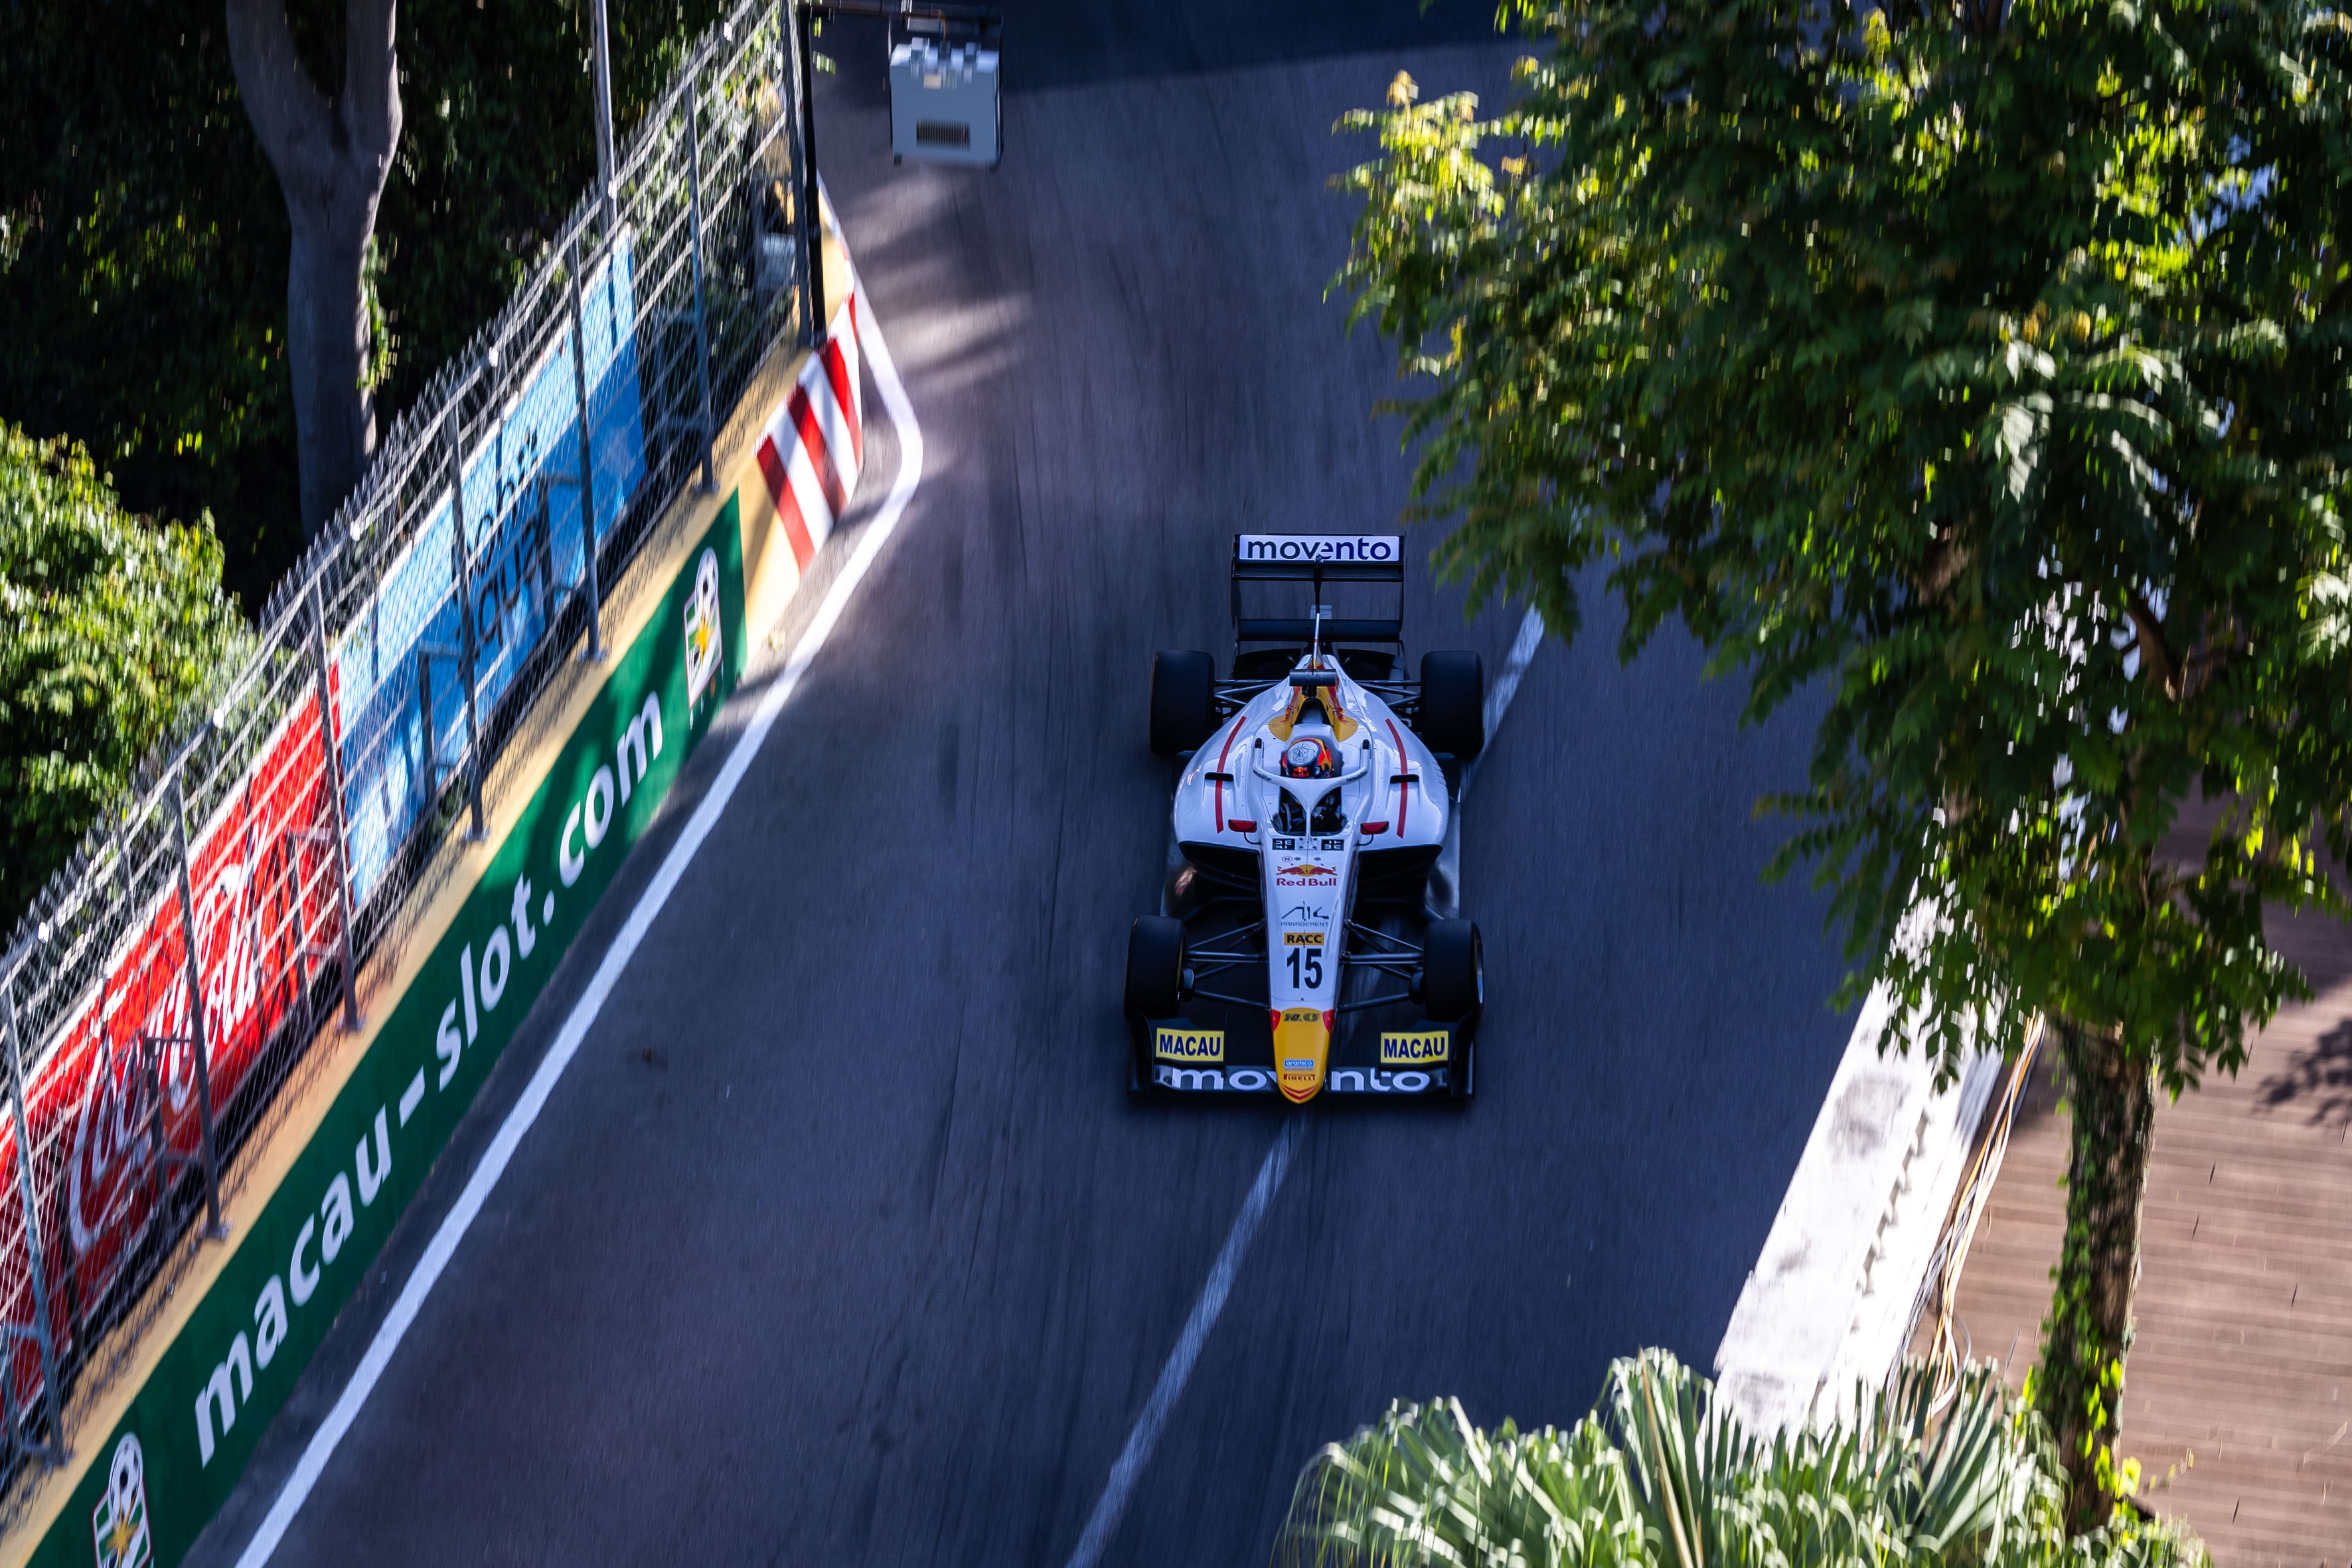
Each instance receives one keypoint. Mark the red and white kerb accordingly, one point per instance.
(814, 447)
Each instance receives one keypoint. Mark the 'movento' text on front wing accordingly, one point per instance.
(1260, 1081)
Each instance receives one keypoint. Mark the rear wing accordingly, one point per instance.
(1317, 559)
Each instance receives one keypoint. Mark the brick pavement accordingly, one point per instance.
(2240, 1382)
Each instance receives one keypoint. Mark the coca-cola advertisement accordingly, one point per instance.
(262, 881)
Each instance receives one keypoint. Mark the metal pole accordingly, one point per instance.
(811, 224)
(701, 314)
(587, 463)
(41, 1331)
(198, 1036)
(150, 1050)
(603, 49)
(118, 828)
(464, 572)
(332, 752)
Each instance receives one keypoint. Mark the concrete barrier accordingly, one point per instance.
(1828, 1301)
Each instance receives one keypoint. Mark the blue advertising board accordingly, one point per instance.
(400, 692)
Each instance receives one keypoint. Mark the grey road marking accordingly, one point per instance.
(1112, 1505)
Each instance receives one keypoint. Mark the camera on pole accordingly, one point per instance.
(947, 104)
(947, 101)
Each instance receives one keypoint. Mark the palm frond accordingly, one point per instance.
(1658, 1476)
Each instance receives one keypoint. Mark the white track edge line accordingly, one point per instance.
(1514, 667)
(583, 1016)
(1112, 1505)
(1505, 686)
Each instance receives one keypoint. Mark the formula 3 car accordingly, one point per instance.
(1303, 944)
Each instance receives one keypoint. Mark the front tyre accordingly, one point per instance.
(1183, 701)
(1452, 716)
(1155, 966)
(1452, 971)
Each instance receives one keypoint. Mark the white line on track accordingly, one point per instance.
(1112, 1505)
(649, 904)
(1146, 1436)
(1523, 653)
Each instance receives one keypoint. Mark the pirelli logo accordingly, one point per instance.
(1189, 1045)
(1416, 1048)
(1302, 939)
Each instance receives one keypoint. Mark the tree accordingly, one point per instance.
(1656, 1477)
(109, 626)
(144, 239)
(143, 289)
(332, 156)
(1982, 369)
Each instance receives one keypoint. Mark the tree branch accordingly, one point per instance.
(2154, 651)
(290, 114)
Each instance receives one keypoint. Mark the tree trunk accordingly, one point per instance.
(2079, 1386)
(332, 158)
(328, 345)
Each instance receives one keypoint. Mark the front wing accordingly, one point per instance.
(1189, 1058)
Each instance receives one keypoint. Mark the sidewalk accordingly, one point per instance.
(2243, 1355)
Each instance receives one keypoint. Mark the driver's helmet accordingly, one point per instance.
(1309, 757)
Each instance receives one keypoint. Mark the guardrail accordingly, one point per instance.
(170, 979)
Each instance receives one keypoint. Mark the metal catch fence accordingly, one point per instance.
(166, 985)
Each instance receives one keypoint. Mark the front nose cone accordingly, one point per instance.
(1302, 1048)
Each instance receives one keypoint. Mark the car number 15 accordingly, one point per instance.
(1306, 966)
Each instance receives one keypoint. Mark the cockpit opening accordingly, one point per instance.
(1329, 815)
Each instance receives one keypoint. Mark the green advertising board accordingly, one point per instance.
(162, 1472)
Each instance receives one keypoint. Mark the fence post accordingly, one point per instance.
(812, 220)
(454, 433)
(332, 752)
(595, 653)
(701, 314)
(600, 40)
(55, 1451)
(198, 1036)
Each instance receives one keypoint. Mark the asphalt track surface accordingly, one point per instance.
(839, 1240)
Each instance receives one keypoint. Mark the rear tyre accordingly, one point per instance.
(1183, 701)
(1452, 971)
(1453, 715)
(1155, 966)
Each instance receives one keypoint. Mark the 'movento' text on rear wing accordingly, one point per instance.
(1317, 549)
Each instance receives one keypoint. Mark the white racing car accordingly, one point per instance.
(1312, 851)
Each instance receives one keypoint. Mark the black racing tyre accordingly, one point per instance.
(1453, 716)
(1183, 701)
(1155, 966)
(1452, 971)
